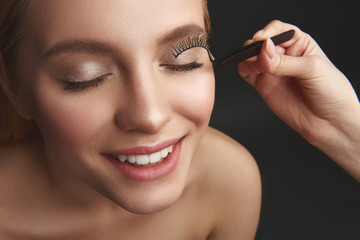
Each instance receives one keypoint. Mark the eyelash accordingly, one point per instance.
(197, 40)
(75, 86)
(183, 68)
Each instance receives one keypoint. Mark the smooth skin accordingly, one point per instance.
(220, 198)
(222, 201)
(60, 183)
(302, 87)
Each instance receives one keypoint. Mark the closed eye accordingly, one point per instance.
(183, 68)
(81, 85)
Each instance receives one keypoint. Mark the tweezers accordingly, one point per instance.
(250, 50)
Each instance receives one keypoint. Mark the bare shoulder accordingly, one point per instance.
(228, 158)
(233, 185)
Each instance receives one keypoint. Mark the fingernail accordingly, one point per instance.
(258, 34)
(270, 48)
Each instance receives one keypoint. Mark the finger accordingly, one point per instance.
(270, 61)
(302, 44)
(280, 50)
(249, 71)
(274, 28)
(248, 42)
(297, 46)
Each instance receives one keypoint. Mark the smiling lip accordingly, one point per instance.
(148, 172)
(144, 150)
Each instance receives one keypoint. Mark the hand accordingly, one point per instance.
(302, 87)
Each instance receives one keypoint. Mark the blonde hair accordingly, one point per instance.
(206, 16)
(14, 128)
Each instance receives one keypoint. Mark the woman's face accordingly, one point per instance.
(112, 85)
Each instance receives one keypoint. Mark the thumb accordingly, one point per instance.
(270, 61)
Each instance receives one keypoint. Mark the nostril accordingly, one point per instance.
(145, 117)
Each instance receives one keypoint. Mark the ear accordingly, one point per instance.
(11, 92)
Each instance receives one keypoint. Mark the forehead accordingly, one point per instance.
(119, 21)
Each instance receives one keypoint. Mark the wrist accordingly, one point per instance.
(341, 142)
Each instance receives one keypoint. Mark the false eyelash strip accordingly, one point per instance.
(197, 40)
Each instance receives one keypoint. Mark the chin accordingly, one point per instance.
(147, 199)
(144, 209)
(148, 205)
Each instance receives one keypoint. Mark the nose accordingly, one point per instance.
(147, 107)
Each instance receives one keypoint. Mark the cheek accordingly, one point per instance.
(69, 121)
(66, 120)
(195, 97)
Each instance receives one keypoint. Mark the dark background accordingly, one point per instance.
(305, 194)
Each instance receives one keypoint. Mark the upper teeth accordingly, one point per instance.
(146, 159)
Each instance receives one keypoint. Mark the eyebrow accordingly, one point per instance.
(91, 46)
(76, 45)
